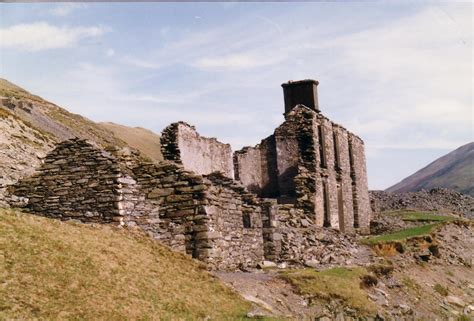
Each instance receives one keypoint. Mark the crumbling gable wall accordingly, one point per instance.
(256, 168)
(76, 181)
(181, 143)
(316, 165)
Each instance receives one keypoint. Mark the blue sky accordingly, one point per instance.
(397, 74)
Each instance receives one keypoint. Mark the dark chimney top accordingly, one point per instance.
(301, 92)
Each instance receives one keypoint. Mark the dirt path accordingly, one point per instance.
(273, 296)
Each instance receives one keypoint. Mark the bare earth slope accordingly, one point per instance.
(430, 280)
(453, 171)
(139, 138)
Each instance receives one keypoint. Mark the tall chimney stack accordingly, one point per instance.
(302, 92)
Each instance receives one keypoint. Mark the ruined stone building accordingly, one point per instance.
(226, 209)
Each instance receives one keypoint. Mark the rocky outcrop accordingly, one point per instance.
(22, 148)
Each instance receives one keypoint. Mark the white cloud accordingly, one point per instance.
(140, 63)
(42, 36)
(416, 83)
(110, 52)
(234, 61)
(396, 82)
(402, 80)
(64, 9)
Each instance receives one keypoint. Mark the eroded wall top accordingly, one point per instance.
(181, 143)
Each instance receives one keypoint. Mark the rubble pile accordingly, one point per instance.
(438, 199)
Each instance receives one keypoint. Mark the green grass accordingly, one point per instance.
(401, 235)
(340, 283)
(426, 217)
(411, 284)
(53, 270)
(421, 216)
(441, 289)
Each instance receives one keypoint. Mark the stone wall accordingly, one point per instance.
(76, 181)
(212, 218)
(181, 143)
(234, 232)
(316, 165)
(202, 216)
(171, 201)
(289, 238)
(256, 168)
(287, 157)
(360, 189)
(249, 169)
(344, 180)
(306, 178)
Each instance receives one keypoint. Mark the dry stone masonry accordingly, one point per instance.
(312, 163)
(181, 143)
(276, 201)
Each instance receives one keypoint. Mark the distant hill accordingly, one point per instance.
(453, 171)
(139, 138)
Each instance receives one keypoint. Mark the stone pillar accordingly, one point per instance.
(360, 190)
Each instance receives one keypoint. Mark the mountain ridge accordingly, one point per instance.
(454, 170)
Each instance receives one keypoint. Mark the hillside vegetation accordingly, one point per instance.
(453, 171)
(54, 270)
(139, 138)
(340, 282)
(7, 89)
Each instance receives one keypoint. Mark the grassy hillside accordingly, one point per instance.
(7, 89)
(56, 271)
(139, 138)
(454, 171)
(340, 282)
